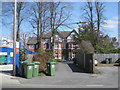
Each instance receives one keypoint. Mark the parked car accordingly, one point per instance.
(118, 61)
(95, 62)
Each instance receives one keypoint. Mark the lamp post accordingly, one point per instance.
(14, 40)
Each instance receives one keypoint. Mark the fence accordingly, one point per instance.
(101, 57)
(85, 62)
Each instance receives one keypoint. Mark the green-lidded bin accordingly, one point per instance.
(107, 61)
(2, 59)
(21, 68)
(51, 68)
(28, 69)
(36, 68)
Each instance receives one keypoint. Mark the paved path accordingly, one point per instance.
(69, 76)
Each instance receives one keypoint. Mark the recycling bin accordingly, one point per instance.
(2, 59)
(28, 69)
(110, 60)
(107, 61)
(21, 68)
(51, 68)
(36, 68)
(7, 59)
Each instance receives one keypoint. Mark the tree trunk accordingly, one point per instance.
(38, 33)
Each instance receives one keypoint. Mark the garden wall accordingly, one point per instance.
(101, 57)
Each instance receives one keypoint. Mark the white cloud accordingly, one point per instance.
(110, 24)
(116, 17)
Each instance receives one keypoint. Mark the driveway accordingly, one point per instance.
(69, 76)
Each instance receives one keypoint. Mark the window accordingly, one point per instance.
(56, 45)
(73, 55)
(49, 46)
(44, 45)
(69, 55)
(69, 46)
(59, 46)
(59, 55)
(74, 45)
(31, 46)
(64, 46)
(56, 55)
(36, 46)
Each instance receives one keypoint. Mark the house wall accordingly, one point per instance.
(33, 50)
(62, 42)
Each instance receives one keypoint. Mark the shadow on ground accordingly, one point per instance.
(117, 65)
(75, 68)
(8, 72)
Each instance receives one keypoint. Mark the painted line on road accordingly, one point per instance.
(95, 85)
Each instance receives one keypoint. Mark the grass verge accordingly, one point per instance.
(41, 74)
(96, 71)
(105, 65)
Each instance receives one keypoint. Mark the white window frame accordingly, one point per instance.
(31, 46)
(59, 55)
(69, 55)
(44, 45)
(59, 45)
(56, 45)
(36, 46)
(56, 55)
(73, 55)
(73, 45)
(64, 46)
(69, 46)
(49, 45)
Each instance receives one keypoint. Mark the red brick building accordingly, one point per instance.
(64, 44)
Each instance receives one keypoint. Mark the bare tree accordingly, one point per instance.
(93, 13)
(20, 7)
(58, 16)
(99, 11)
(24, 38)
(8, 11)
(88, 14)
(39, 19)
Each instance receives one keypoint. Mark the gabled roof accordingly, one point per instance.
(71, 32)
(32, 40)
(62, 34)
(47, 35)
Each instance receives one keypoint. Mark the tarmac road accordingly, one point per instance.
(66, 76)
